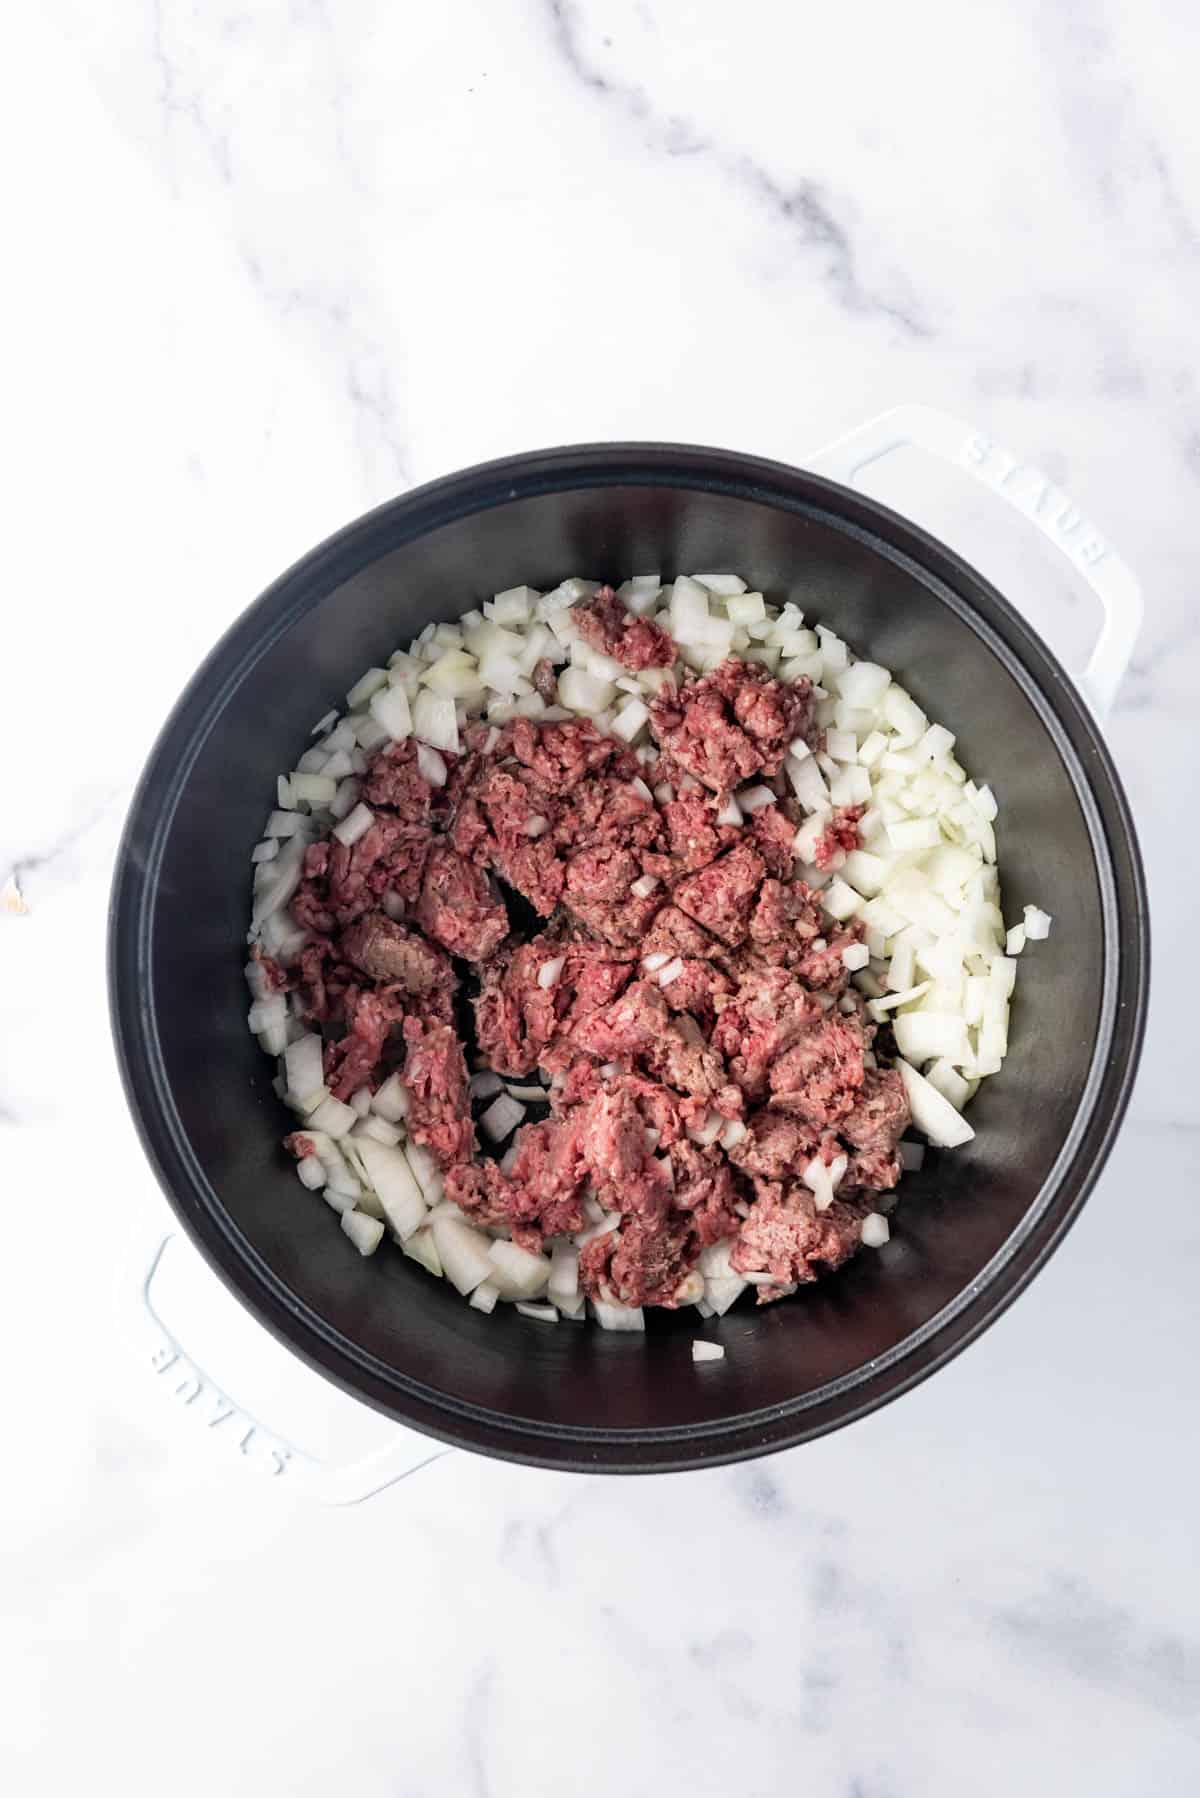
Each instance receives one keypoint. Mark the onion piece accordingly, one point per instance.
(501, 1117)
(312, 1173)
(644, 886)
(390, 709)
(672, 971)
(932, 1113)
(485, 1084)
(618, 1317)
(484, 1297)
(706, 1351)
(1037, 924)
(394, 1184)
(545, 1314)
(391, 1100)
(421, 1248)
(463, 1251)
(550, 971)
(875, 1231)
(431, 766)
(366, 1233)
(516, 1273)
(356, 825)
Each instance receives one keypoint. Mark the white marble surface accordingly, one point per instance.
(270, 264)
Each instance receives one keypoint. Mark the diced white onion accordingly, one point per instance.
(431, 766)
(707, 1351)
(391, 1100)
(366, 1233)
(875, 1231)
(652, 963)
(501, 1117)
(672, 971)
(1037, 924)
(484, 1085)
(644, 886)
(312, 1172)
(855, 957)
(545, 1314)
(355, 826)
(931, 1112)
(618, 1317)
(550, 971)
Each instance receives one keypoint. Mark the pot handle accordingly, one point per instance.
(183, 1379)
(1031, 492)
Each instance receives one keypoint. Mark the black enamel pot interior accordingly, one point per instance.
(973, 1225)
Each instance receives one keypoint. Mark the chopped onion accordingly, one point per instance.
(550, 971)
(536, 826)
(394, 1185)
(823, 1181)
(875, 1231)
(1014, 941)
(305, 1071)
(730, 812)
(630, 719)
(545, 1314)
(644, 886)
(435, 721)
(931, 1112)
(366, 1233)
(334, 1118)
(1037, 924)
(501, 1117)
(464, 1252)
(421, 1247)
(516, 1273)
(484, 1297)
(485, 1085)
(583, 692)
(930, 1035)
(378, 1128)
(312, 1172)
(390, 709)
(855, 957)
(707, 1351)
(564, 1274)
(618, 1317)
(355, 826)
(672, 971)
(652, 963)
(391, 1100)
(363, 689)
(431, 766)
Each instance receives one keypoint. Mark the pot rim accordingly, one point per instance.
(1065, 716)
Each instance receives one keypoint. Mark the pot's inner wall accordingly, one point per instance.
(953, 1216)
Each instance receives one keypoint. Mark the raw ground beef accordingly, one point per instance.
(746, 1039)
(634, 642)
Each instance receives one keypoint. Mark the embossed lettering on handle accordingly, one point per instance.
(184, 1382)
(1024, 486)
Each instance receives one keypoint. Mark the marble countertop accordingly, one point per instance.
(272, 265)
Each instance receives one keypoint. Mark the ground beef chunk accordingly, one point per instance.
(559, 756)
(721, 896)
(435, 1075)
(386, 951)
(775, 1144)
(786, 918)
(545, 680)
(700, 988)
(754, 1026)
(820, 1077)
(694, 837)
(597, 892)
(674, 933)
(840, 835)
(641, 1263)
(787, 1236)
(636, 643)
(735, 722)
(769, 1013)
(880, 1115)
(774, 838)
(822, 968)
(515, 1016)
(628, 1027)
(613, 1141)
(457, 907)
(705, 1188)
(394, 780)
(351, 1062)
